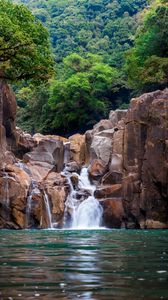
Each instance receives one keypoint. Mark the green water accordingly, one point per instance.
(95, 264)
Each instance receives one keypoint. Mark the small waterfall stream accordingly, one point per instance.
(6, 190)
(48, 211)
(86, 213)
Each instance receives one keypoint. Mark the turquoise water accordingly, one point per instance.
(95, 264)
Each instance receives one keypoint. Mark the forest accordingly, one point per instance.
(103, 52)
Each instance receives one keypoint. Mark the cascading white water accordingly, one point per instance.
(48, 211)
(88, 213)
(35, 190)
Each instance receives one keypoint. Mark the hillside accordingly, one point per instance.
(104, 27)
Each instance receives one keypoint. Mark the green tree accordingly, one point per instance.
(83, 97)
(24, 47)
(147, 62)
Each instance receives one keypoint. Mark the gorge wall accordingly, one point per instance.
(127, 159)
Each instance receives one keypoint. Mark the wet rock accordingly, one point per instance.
(97, 169)
(113, 213)
(104, 192)
(57, 189)
(73, 166)
(112, 177)
(14, 186)
(75, 180)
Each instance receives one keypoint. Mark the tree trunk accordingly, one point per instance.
(2, 141)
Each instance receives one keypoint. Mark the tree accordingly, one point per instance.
(24, 47)
(147, 62)
(82, 95)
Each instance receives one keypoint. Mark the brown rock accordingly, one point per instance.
(97, 169)
(113, 213)
(78, 148)
(114, 190)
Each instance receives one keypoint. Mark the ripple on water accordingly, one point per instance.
(87, 264)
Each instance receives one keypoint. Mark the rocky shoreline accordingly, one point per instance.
(127, 159)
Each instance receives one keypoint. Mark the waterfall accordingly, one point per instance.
(48, 211)
(6, 190)
(88, 212)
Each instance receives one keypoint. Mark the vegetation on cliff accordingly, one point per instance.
(104, 51)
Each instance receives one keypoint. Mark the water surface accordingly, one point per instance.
(74, 264)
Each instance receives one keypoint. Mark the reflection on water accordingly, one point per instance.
(95, 264)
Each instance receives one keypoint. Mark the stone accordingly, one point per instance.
(102, 125)
(56, 187)
(113, 213)
(97, 169)
(116, 115)
(78, 148)
(24, 143)
(101, 148)
(73, 166)
(145, 188)
(114, 191)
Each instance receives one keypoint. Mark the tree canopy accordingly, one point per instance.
(25, 51)
(147, 61)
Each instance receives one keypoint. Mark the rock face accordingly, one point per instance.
(145, 155)
(134, 149)
(127, 156)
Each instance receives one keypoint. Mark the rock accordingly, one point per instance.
(113, 213)
(78, 148)
(75, 180)
(24, 143)
(101, 148)
(116, 115)
(38, 137)
(102, 125)
(73, 166)
(97, 169)
(47, 156)
(56, 187)
(14, 186)
(110, 191)
(112, 178)
(145, 160)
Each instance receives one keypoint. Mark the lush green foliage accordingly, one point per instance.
(24, 46)
(89, 40)
(104, 27)
(147, 62)
(83, 93)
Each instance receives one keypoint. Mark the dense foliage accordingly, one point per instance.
(104, 27)
(147, 61)
(89, 40)
(24, 45)
(104, 50)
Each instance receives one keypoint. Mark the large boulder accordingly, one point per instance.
(56, 188)
(77, 148)
(113, 213)
(14, 186)
(47, 156)
(146, 160)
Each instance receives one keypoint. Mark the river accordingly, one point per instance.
(83, 264)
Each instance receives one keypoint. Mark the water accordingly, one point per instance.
(92, 265)
(87, 213)
(48, 211)
(6, 199)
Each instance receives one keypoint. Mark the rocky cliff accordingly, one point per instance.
(127, 158)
